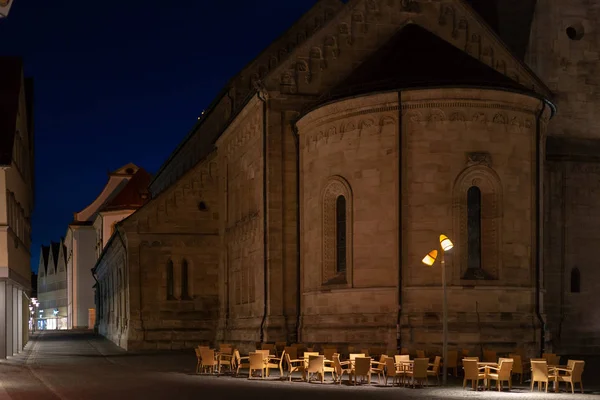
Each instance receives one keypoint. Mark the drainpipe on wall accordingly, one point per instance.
(400, 172)
(538, 225)
(298, 253)
(263, 96)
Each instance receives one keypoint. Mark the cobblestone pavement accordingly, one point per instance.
(79, 365)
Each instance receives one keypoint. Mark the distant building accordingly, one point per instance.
(16, 204)
(52, 287)
(5, 6)
(83, 246)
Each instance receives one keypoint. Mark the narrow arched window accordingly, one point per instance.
(184, 279)
(340, 239)
(474, 227)
(575, 281)
(170, 283)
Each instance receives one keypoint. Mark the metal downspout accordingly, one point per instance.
(298, 253)
(262, 95)
(400, 172)
(538, 226)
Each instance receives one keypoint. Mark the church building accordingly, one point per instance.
(301, 204)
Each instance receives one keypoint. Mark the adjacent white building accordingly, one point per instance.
(82, 248)
(52, 287)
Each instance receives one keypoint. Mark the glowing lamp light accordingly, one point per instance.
(430, 258)
(446, 243)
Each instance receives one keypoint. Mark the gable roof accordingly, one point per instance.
(45, 254)
(55, 247)
(133, 195)
(433, 63)
(11, 78)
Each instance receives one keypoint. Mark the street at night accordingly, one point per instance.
(79, 365)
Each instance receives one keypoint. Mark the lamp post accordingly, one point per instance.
(429, 260)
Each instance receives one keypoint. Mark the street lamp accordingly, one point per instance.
(429, 260)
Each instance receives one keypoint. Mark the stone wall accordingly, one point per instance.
(241, 160)
(180, 225)
(454, 139)
(570, 271)
(350, 149)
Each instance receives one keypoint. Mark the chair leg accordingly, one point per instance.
(532, 382)
(581, 386)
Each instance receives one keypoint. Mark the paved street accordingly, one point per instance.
(77, 365)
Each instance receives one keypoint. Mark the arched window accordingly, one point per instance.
(340, 235)
(184, 280)
(170, 282)
(575, 281)
(474, 227)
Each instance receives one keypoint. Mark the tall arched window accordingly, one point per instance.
(474, 227)
(184, 280)
(170, 282)
(575, 281)
(340, 234)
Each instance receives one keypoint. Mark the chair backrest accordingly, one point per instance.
(570, 363)
(381, 365)
(270, 347)
(577, 371)
(471, 369)
(316, 364)
(390, 367)
(505, 370)
(476, 359)
(257, 360)
(452, 361)
(420, 367)
(208, 356)
(365, 352)
(224, 345)
(517, 363)
(264, 352)
(553, 359)
(489, 356)
(292, 351)
(436, 363)
(354, 356)
(226, 350)
(307, 354)
(236, 355)
(420, 353)
(362, 366)
(539, 370)
(402, 357)
(329, 352)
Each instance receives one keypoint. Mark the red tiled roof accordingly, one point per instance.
(134, 195)
(11, 69)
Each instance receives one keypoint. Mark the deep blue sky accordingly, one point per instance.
(124, 81)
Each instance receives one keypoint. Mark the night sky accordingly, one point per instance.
(124, 81)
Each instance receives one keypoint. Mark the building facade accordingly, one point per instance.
(16, 205)
(52, 284)
(331, 164)
(81, 247)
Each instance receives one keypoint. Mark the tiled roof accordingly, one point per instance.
(134, 195)
(11, 70)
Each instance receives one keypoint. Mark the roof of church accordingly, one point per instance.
(45, 254)
(11, 69)
(415, 57)
(133, 195)
(510, 19)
